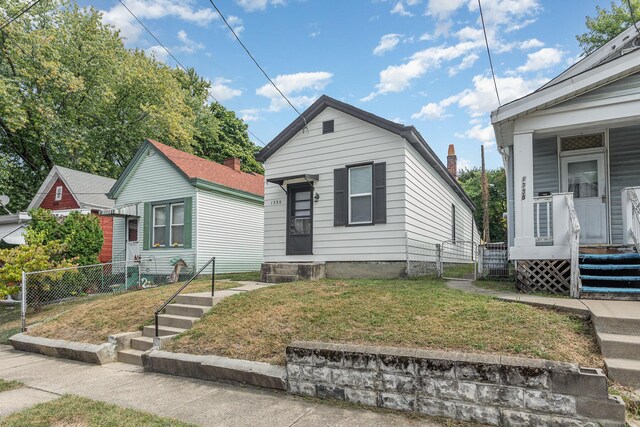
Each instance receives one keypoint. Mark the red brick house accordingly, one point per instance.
(65, 190)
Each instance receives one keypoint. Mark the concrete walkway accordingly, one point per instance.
(199, 402)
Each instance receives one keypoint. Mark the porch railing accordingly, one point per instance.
(543, 217)
(574, 230)
(634, 227)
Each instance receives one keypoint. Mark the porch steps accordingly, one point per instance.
(618, 335)
(179, 317)
(613, 272)
(624, 371)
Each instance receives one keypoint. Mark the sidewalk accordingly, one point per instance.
(199, 402)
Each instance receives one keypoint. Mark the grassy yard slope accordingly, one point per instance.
(9, 385)
(80, 412)
(407, 313)
(93, 320)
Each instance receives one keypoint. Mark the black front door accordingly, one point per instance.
(299, 220)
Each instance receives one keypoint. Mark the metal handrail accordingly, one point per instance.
(634, 230)
(574, 225)
(212, 262)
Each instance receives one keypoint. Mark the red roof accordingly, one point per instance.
(197, 167)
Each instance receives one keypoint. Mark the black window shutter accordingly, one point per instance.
(379, 193)
(339, 197)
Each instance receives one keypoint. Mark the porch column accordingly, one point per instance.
(523, 188)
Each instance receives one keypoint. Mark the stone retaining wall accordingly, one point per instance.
(496, 390)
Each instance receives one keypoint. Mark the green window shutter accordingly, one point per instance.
(147, 227)
(188, 218)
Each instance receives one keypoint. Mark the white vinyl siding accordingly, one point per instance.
(310, 152)
(430, 202)
(153, 180)
(230, 229)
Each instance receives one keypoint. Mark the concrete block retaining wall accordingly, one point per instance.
(496, 390)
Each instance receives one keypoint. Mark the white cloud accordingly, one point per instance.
(253, 5)
(236, 24)
(484, 134)
(399, 9)
(431, 111)
(221, 91)
(443, 8)
(425, 37)
(387, 43)
(544, 58)
(531, 44)
(157, 52)
(120, 18)
(397, 78)
(188, 45)
(467, 62)
(464, 164)
(314, 34)
(293, 86)
(250, 114)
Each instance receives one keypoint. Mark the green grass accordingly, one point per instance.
(77, 411)
(497, 285)
(8, 385)
(419, 313)
(93, 320)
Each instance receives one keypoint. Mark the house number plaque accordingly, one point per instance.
(276, 202)
(524, 188)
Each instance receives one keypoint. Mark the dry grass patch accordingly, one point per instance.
(9, 385)
(419, 313)
(92, 320)
(77, 411)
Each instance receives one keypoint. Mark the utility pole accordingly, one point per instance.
(485, 200)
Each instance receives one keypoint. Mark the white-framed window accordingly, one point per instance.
(159, 226)
(176, 232)
(58, 193)
(360, 194)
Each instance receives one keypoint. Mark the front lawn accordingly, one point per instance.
(77, 411)
(93, 319)
(420, 313)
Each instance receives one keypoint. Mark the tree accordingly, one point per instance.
(471, 182)
(72, 94)
(607, 24)
(80, 235)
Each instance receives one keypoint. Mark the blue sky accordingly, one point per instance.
(420, 62)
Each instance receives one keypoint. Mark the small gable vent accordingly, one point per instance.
(327, 127)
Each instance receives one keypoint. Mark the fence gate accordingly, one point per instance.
(459, 260)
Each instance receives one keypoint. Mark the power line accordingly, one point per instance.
(486, 41)
(19, 14)
(254, 59)
(176, 59)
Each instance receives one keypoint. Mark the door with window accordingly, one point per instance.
(133, 250)
(299, 219)
(584, 176)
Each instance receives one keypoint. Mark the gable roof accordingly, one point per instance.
(616, 59)
(89, 190)
(410, 133)
(196, 169)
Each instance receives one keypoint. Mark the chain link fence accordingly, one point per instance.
(423, 259)
(42, 288)
(459, 260)
(494, 262)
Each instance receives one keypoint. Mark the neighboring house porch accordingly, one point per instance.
(572, 153)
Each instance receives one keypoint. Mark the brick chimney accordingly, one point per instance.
(233, 163)
(452, 161)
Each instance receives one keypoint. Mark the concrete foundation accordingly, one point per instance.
(279, 272)
(98, 354)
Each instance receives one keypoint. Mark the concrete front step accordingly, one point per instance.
(174, 321)
(142, 343)
(282, 278)
(619, 346)
(623, 371)
(616, 325)
(187, 310)
(131, 356)
(150, 331)
(194, 299)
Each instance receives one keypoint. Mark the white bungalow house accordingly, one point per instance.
(572, 154)
(172, 205)
(347, 190)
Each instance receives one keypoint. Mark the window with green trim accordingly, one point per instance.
(168, 225)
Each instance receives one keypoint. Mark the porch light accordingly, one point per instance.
(316, 197)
